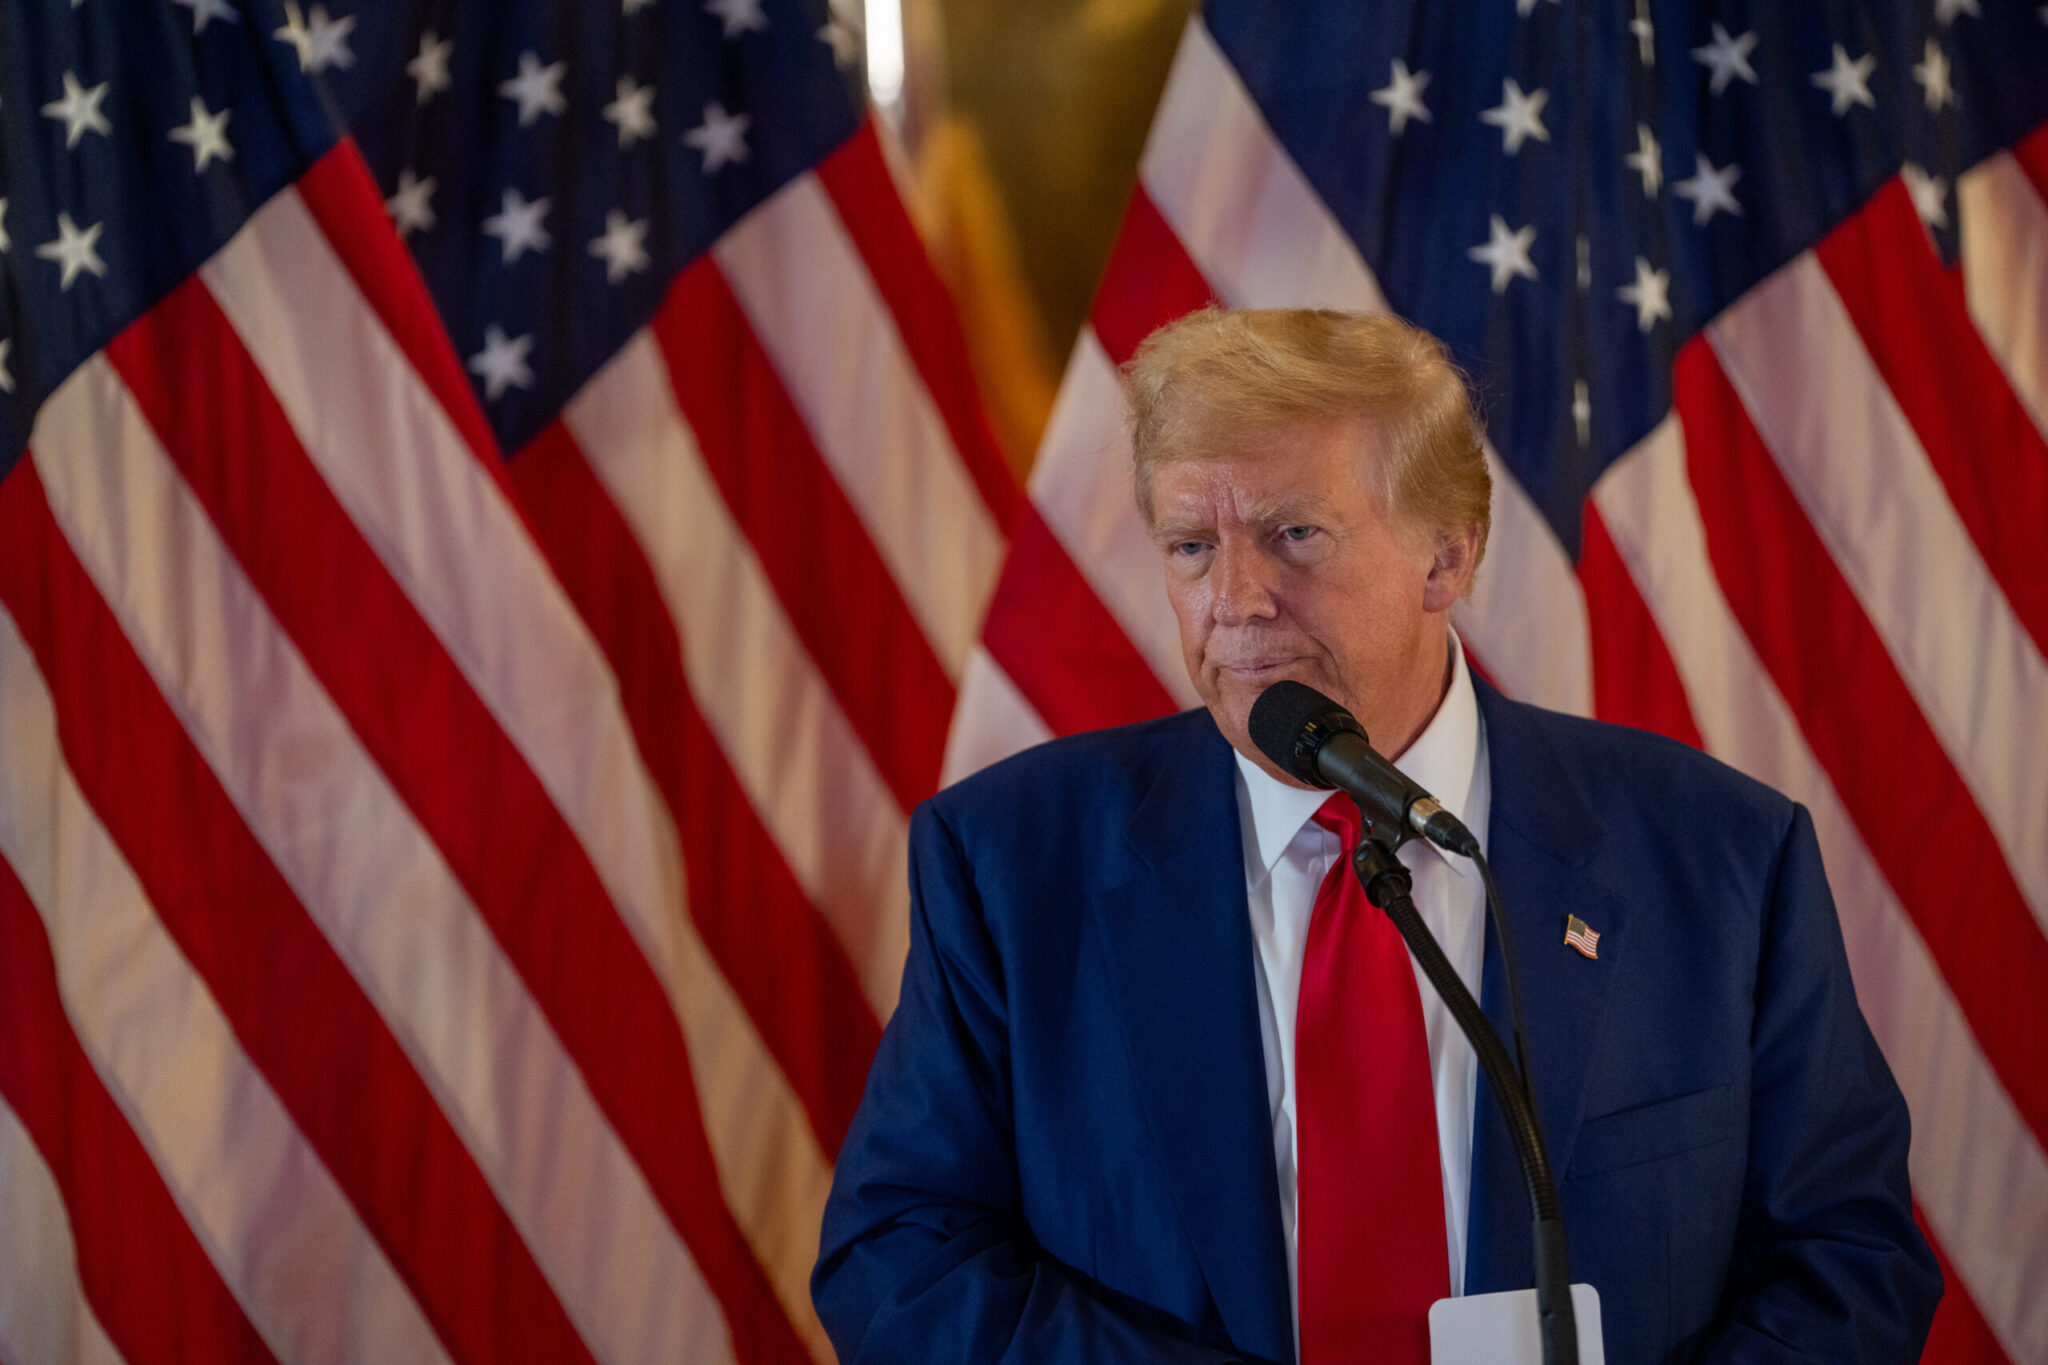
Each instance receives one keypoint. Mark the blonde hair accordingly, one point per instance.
(1215, 373)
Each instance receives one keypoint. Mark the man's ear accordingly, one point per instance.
(1450, 572)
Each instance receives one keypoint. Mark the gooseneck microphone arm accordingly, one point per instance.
(1387, 884)
(1310, 736)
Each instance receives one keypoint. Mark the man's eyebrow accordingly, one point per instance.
(1285, 510)
(1290, 509)
(1173, 530)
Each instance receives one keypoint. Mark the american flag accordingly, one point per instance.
(1756, 299)
(493, 513)
(1578, 934)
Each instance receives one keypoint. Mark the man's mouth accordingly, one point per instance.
(1259, 669)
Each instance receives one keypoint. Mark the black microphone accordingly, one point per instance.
(1311, 737)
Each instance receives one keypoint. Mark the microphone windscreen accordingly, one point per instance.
(1276, 723)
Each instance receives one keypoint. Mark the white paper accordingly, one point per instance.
(1501, 1329)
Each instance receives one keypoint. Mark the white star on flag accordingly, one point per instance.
(80, 110)
(502, 362)
(429, 68)
(1647, 160)
(1645, 32)
(1519, 117)
(5, 241)
(74, 251)
(1929, 193)
(536, 89)
(1507, 252)
(6, 379)
(517, 225)
(1650, 295)
(206, 10)
(1710, 190)
(411, 208)
(1932, 74)
(1728, 58)
(1401, 96)
(737, 16)
(621, 248)
(632, 111)
(1945, 11)
(842, 33)
(1848, 82)
(634, 6)
(1525, 8)
(722, 137)
(321, 42)
(206, 135)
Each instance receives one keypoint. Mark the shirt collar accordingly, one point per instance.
(1441, 761)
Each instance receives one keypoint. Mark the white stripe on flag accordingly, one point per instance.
(1791, 351)
(804, 769)
(263, 1204)
(991, 721)
(44, 1316)
(1082, 486)
(1978, 1172)
(1263, 239)
(816, 310)
(389, 903)
(2004, 228)
(1241, 208)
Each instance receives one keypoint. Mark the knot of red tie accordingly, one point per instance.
(1340, 816)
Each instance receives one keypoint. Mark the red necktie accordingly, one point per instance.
(1370, 1196)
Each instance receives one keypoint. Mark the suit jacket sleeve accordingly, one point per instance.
(925, 1253)
(1829, 1264)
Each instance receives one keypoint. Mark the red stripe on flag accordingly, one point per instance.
(1917, 328)
(342, 196)
(143, 1271)
(1150, 281)
(1059, 644)
(1886, 764)
(858, 181)
(2032, 153)
(291, 1002)
(770, 943)
(1960, 1335)
(488, 814)
(1635, 681)
(840, 596)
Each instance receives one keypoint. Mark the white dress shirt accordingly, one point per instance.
(1286, 855)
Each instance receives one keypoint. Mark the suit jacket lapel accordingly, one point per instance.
(1178, 941)
(1541, 838)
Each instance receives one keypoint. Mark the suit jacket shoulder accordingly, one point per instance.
(1066, 811)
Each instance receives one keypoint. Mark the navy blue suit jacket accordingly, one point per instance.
(1065, 1151)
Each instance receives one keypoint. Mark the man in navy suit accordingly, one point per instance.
(1080, 1137)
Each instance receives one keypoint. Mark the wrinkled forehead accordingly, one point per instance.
(1270, 460)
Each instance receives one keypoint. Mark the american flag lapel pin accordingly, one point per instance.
(1582, 936)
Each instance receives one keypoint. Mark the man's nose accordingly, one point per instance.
(1244, 584)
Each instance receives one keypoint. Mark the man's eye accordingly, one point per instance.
(1298, 533)
(1188, 548)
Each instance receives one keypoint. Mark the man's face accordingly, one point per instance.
(1281, 563)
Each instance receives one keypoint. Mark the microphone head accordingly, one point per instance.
(1290, 723)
